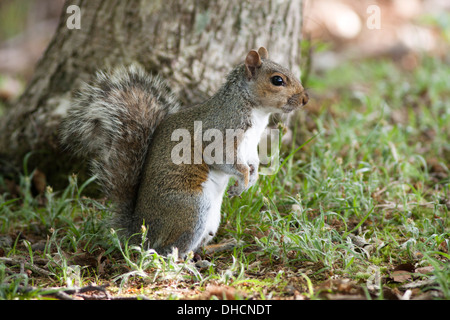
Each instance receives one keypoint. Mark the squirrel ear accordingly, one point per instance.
(252, 61)
(263, 53)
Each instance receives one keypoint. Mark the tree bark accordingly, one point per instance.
(192, 44)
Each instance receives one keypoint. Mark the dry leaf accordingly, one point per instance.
(403, 272)
(341, 289)
(39, 181)
(401, 276)
(87, 259)
(425, 270)
(405, 267)
(222, 292)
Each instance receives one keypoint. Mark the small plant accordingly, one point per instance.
(144, 263)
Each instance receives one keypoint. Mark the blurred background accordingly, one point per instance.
(405, 29)
(334, 30)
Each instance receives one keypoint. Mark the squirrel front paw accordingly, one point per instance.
(253, 174)
(235, 189)
(239, 186)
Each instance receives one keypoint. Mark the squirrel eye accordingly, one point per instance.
(277, 81)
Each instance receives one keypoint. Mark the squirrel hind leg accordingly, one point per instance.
(186, 237)
(186, 242)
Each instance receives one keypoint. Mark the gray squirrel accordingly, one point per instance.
(124, 123)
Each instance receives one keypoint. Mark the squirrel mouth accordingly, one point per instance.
(288, 108)
(295, 101)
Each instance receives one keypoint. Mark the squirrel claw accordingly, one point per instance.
(234, 191)
(232, 195)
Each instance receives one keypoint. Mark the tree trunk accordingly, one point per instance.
(193, 44)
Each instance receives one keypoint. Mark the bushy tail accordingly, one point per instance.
(111, 123)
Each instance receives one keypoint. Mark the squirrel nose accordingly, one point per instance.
(305, 98)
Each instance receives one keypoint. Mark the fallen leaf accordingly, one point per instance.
(39, 181)
(443, 246)
(87, 259)
(222, 292)
(425, 270)
(405, 267)
(418, 284)
(403, 272)
(341, 289)
(401, 276)
(84, 259)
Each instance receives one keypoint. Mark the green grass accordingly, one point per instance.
(367, 194)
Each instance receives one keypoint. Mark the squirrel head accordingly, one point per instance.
(274, 87)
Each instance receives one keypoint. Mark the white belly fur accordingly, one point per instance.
(217, 181)
(213, 190)
(248, 149)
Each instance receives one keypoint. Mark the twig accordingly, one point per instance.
(68, 293)
(393, 205)
(32, 267)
